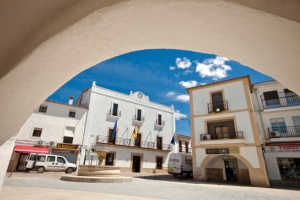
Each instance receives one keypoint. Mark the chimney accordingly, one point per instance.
(71, 100)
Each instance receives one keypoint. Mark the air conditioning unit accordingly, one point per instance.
(205, 137)
(52, 143)
(275, 134)
(41, 142)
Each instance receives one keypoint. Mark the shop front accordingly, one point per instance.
(283, 162)
(21, 153)
(69, 151)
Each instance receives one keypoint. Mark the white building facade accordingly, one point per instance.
(109, 110)
(182, 143)
(225, 141)
(277, 111)
(54, 128)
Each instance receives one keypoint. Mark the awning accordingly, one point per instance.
(30, 149)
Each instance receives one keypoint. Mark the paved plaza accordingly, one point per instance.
(48, 186)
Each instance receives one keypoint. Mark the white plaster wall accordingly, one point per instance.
(250, 154)
(233, 93)
(53, 124)
(101, 101)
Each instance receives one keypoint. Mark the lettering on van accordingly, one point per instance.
(174, 160)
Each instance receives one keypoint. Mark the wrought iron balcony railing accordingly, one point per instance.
(159, 123)
(113, 113)
(284, 132)
(132, 143)
(138, 120)
(222, 136)
(284, 100)
(217, 106)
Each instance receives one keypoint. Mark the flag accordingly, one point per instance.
(115, 129)
(173, 140)
(134, 133)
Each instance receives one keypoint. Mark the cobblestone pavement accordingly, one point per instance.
(46, 186)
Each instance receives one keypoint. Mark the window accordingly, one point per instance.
(180, 146)
(271, 98)
(37, 132)
(60, 160)
(159, 161)
(222, 132)
(289, 168)
(139, 115)
(68, 140)
(111, 138)
(217, 101)
(278, 124)
(41, 158)
(296, 120)
(51, 159)
(291, 97)
(159, 121)
(159, 142)
(115, 109)
(186, 147)
(43, 109)
(72, 113)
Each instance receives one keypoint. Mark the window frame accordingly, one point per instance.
(43, 108)
(37, 129)
(72, 113)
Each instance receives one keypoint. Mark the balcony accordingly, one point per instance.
(138, 120)
(284, 100)
(113, 115)
(222, 136)
(159, 123)
(131, 143)
(284, 132)
(217, 106)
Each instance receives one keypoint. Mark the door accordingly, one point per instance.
(109, 159)
(136, 164)
(217, 100)
(230, 170)
(22, 162)
(61, 163)
(30, 161)
(51, 163)
(159, 142)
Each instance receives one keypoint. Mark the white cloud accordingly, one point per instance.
(183, 98)
(214, 68)
(183, 63)
(172, 68)
(179, 115)
(171, 94)
(186, 72)
(188, 84)
(202, 83)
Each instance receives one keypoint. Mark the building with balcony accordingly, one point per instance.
(277, 111)
(54, 128)
(113, 118)
(226, 144)
(182, 143)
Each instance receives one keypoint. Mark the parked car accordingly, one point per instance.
(180, 164)
(47, 162)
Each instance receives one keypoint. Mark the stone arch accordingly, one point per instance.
(200, 173)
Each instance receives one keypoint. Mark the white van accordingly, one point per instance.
(180, 164)
(47, 162)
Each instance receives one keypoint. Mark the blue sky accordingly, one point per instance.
(161, 74)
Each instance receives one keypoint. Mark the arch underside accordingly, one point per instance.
(46, 44)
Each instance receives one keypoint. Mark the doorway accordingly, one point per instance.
(109, 160)
(231, 170)
(136, 163)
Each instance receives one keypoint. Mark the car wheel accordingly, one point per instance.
(69, 170)
(40, 169)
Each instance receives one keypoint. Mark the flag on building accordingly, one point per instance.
(173, 139)
(115, 129)
(134, 133)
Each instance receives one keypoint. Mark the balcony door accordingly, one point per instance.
(115, 109)
(139, 115)
(221, 130)
(278, 124)
(217, 101)
(111, 138)
(137, 141)
(159, 142)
